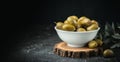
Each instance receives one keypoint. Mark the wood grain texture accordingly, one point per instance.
(63, 50)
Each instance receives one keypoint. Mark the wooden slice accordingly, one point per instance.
(62, 49)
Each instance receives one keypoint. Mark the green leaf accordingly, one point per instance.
(113, 27)
(107, 31)
(116, 45)
(118, 25)
(116, 36)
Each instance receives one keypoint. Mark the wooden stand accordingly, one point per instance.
(63, 50)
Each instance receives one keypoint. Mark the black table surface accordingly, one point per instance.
(35, 44)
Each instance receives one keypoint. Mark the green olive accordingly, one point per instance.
(81, 30)
(108, 53)
(92, 44)
(71, 22)
(99, 42)
(59, 25)
(68, 22)
(75, 17)
(82, 18)
(68, 27)
(84, 21)
(92, 27)
(72, 17)
(94, 22)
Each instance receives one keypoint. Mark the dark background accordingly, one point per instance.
(27, 16)
(50, 11)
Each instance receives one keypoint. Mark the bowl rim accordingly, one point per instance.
(76, 32)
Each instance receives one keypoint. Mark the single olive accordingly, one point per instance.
(81, 30)
(68, 27)
(92, 44)
(72, 17)
(59, 25)
(68, 22)
(84, 21)
(99, 42)
(71, 20)
(108, 53)
(94, 22)
(82, 18)
(92, 27)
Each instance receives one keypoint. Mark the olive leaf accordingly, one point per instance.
(108, 41)
(113, 27)
(116, 45)
(118, 28)
(116, 36)
(107, 30)
(118, 25)
(109, 35)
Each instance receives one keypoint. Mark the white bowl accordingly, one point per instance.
(76, 39)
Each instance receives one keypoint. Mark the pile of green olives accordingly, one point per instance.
(73, 23)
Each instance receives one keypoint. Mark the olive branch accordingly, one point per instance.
(110, 35)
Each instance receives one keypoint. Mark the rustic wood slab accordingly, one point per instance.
(63, 50)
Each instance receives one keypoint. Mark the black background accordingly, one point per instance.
(25, 16)
(102, 10)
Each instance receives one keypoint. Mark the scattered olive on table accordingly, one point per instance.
(92, 44)
(99, 42)
(108, 53)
